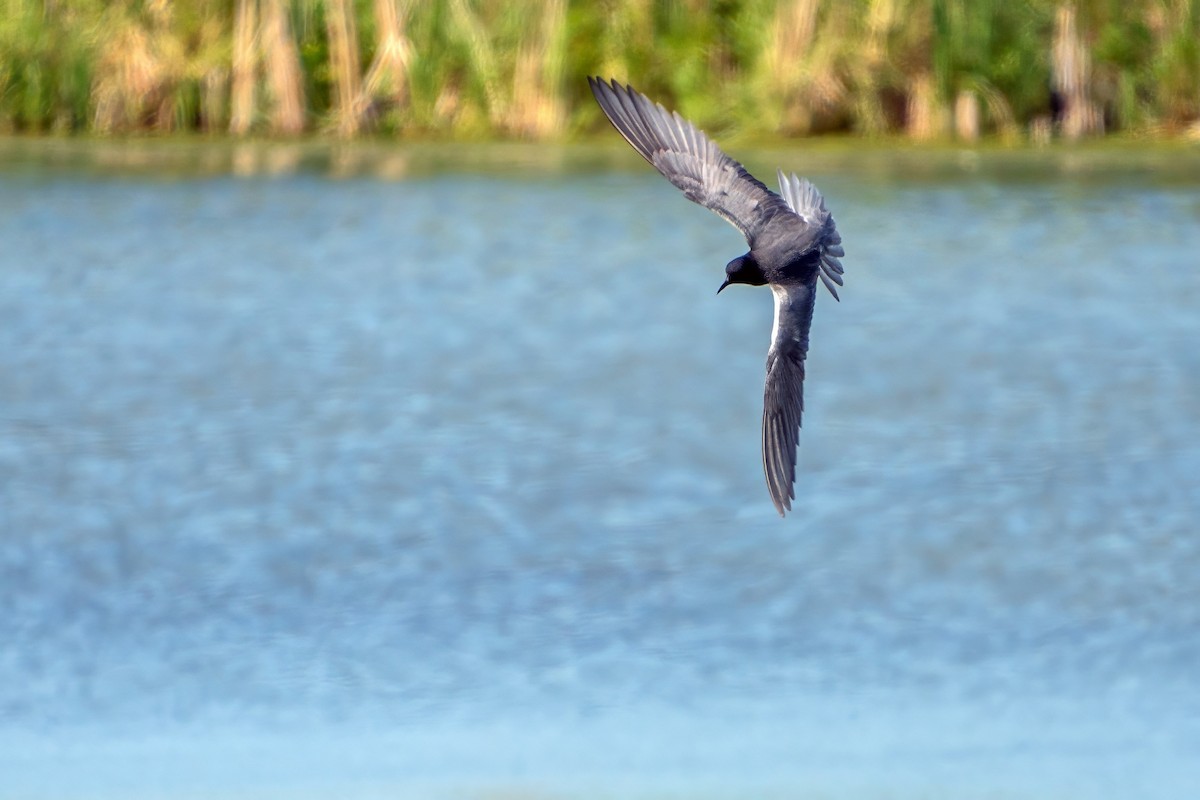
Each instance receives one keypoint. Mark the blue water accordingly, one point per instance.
(382, 476)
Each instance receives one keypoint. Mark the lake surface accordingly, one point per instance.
(433, 472)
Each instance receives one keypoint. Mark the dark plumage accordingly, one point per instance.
(793, 242)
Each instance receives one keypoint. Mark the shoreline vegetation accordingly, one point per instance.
(921, 70)
(1167, 162)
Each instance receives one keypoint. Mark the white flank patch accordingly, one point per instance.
(781, 297)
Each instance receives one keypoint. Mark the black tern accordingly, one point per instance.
(793, 242)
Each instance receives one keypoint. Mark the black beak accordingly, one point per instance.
(723, 285)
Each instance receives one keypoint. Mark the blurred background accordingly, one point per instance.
(926, 69)
(387, 440)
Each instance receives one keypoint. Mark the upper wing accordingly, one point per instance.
(783, 398)
(804, 199)
(689, 159)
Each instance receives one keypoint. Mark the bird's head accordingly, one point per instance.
(743, 269)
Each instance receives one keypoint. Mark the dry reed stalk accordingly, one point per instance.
(245, 67)
(1000, 112)
(790, 37)
(345, 64)
(628, 33)
(536, 108)
(472, 29)
(788, 64)
(214, 99)
(871, 62)
(552, 115)
(208, 69)
(522, 111)
(966, 115)
(141, 67)
(132, 83)
(282, 61)
(1041, 130)
(882, 17)
(388, 74)
(448, 104)
(1178, 62)
(1071, 67)
(924, 112)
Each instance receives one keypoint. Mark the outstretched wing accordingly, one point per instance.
(783, 398)
(689, 159)
(804, 199)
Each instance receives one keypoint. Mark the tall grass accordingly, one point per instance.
(469, 68)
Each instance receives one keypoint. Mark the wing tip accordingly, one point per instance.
(779, 465)
(607, 90)
(829, 281)
(602, 88)
(611, 86)
(782, 497)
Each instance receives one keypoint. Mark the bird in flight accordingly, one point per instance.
(793, 242)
